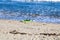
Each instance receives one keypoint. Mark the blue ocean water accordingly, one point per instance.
(36, 11)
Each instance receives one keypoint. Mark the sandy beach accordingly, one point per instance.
(16, 30)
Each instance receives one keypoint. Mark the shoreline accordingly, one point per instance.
(32, 21)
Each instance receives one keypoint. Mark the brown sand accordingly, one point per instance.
(16, 30)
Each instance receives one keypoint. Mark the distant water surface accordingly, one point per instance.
(39, 12)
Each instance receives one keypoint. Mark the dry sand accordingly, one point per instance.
(16, 30)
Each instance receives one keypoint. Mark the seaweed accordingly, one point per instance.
(16, 32)
(26, 21)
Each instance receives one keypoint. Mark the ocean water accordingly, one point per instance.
(38, 12)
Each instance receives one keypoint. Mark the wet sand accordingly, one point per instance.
(17, 30)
